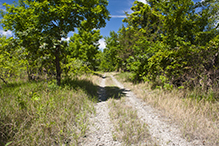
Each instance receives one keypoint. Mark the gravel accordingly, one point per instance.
(100, 132)
(163, 133)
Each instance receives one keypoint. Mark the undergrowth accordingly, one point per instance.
(38, 113)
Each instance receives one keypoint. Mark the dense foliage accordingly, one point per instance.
(40, 25)
(110, 60)
(171, 43)
(12, 64)
(84, 47)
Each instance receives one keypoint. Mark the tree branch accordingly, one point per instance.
(3, 80)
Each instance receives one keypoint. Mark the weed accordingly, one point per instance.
(37, 113)
(129, 128)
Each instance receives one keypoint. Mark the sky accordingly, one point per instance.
(117, 9)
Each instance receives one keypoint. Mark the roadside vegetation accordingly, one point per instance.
(198, 118)
(38, 113)
(43, 98)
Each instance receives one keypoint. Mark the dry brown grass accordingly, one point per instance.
(198, 120)
(128, 128)
(109, 81)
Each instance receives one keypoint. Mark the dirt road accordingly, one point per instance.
(162, 133)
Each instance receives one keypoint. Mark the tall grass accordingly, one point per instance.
(37, 113)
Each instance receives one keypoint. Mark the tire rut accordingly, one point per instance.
(162, 133)
(100, 132)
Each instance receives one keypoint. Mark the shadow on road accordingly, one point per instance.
(99, 75)
(95, 92)
(114, 92)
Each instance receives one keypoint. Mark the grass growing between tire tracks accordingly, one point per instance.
(128, 127)
(37, 113)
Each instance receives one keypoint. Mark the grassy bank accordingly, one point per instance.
(39, 113)
(197, 117)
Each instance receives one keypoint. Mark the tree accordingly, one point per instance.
(11, 64)
(110, 59)
(84, 46)
(166, 40)
(52, 20)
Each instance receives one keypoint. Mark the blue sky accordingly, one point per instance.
(116, 8)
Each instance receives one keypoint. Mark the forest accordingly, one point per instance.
(170, 44)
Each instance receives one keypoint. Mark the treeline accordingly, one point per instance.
(170, 43)
(37, 48)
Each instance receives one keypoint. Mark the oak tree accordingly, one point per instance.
(45, 22)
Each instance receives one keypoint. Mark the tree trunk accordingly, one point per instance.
(28, 73)
(3, 80)
(58, 68)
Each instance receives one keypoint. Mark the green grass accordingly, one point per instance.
(37, 113)
(125, 76)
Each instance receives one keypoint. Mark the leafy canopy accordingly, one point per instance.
(40, 24)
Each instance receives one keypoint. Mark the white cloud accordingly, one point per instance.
(102, 44)
(129, 11)
(143, 1)
(118, 16)
(65, 39)
(6, 33)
